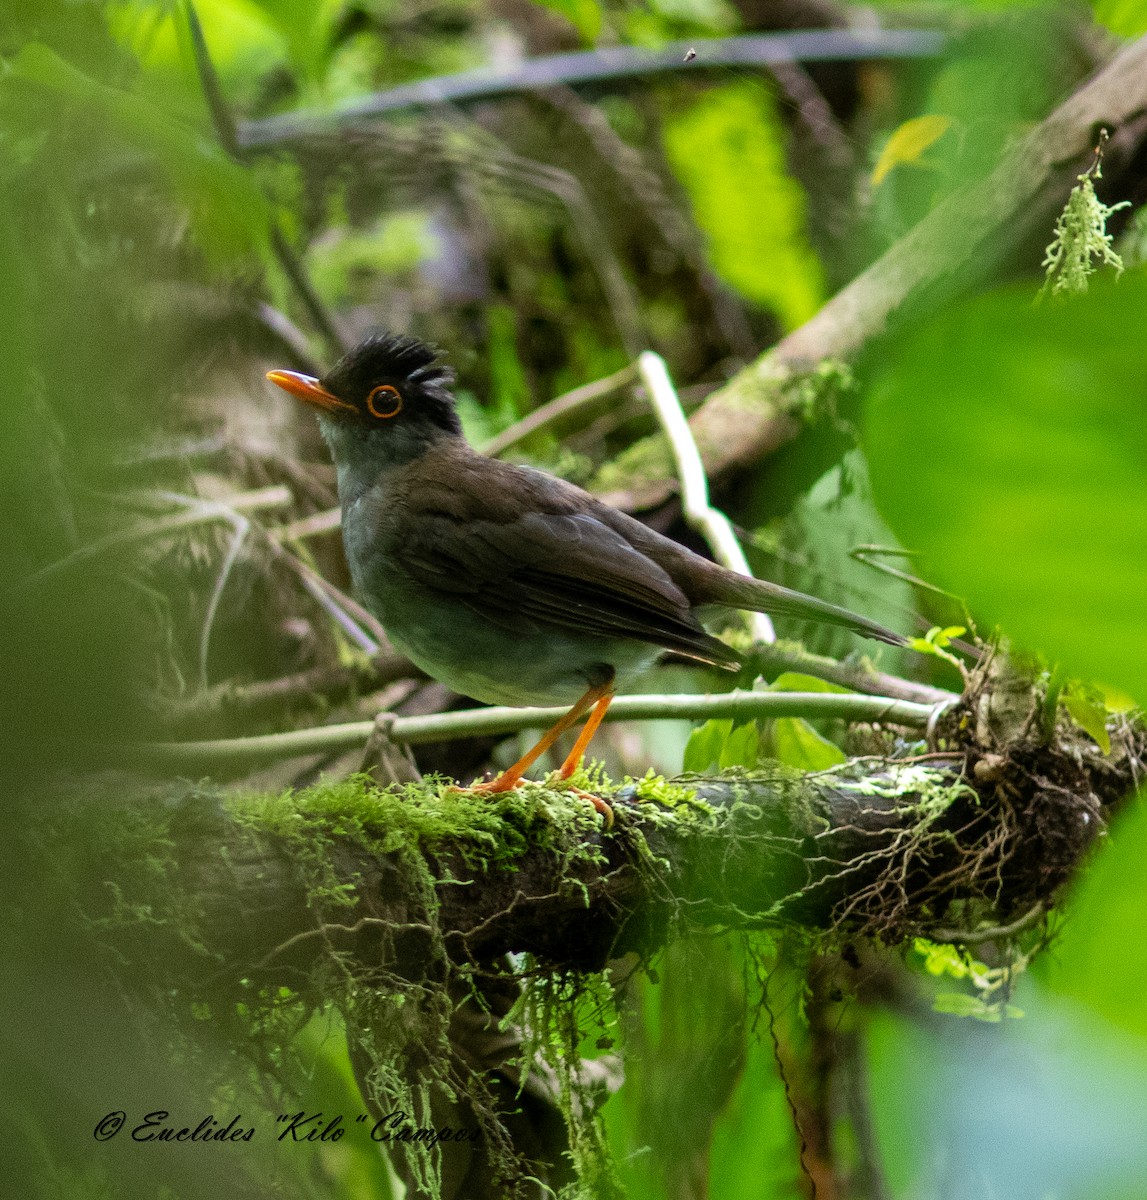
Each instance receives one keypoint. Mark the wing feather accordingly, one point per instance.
(562, 571)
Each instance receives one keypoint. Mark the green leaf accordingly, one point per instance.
(308, 26)
(960, 1004)
(728, 150)
(719, 744)
(230, 215)
(934, 641)
(940, 958)
(1091, 717)
(243, 42)
(703, 748)
(1100, 957)
(794, 681)
(1008, 442)
(1127, 18)
(797, 744)
(909, 142)
(741, 747)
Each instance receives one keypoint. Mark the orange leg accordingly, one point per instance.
(573, 759)
(599, 697)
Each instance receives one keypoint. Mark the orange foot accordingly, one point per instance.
(598, 698)
(502, 784)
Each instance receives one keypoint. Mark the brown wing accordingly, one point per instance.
(557, 570)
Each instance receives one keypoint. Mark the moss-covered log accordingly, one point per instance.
(399, 906)
(881, 846)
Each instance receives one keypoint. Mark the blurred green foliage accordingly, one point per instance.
(1006, 442)
(1127, 18)
(727, 148)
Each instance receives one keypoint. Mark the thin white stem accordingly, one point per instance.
(713, 525)
(296, 531)
(196, 512)
(241, 527)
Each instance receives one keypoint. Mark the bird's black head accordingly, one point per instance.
(388, 383)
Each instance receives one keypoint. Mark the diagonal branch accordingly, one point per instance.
(964, 237)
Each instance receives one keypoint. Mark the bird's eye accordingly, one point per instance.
(384, 401)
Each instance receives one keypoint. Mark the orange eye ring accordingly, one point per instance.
(384, 401)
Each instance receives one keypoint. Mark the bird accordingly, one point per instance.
(503, 582)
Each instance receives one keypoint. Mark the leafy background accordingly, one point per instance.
(1004, 442)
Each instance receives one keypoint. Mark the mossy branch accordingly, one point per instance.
(877, 846)
(400, 906)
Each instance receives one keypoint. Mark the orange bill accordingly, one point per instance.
(308, 388)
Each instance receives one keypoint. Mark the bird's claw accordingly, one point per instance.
(496, 786)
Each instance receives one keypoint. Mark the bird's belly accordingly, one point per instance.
(476, 657)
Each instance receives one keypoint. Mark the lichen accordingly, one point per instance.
(1080, 237)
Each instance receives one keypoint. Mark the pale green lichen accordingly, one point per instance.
(1080, 237)
(923, 790)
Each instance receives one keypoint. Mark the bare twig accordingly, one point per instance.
(226, 131)
(347, 613)
(977, 937)
(709, 521)
(478, 722)
(610, 63)
(199, 512)
(859, 676)
(561, 406)
(292, 338)
(325, 681)
(321, 522)
(241, 527)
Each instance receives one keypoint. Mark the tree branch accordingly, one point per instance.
(877, 846)
(229, 754)
(756, 412)
(597, 66)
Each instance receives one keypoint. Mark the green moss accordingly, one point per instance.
(816, 393)
(402, 1025)
(397, 1006)
(649, 460)
(656, 789)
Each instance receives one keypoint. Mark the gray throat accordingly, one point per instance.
(364, 457)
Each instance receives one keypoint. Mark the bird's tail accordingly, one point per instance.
(758, 595)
